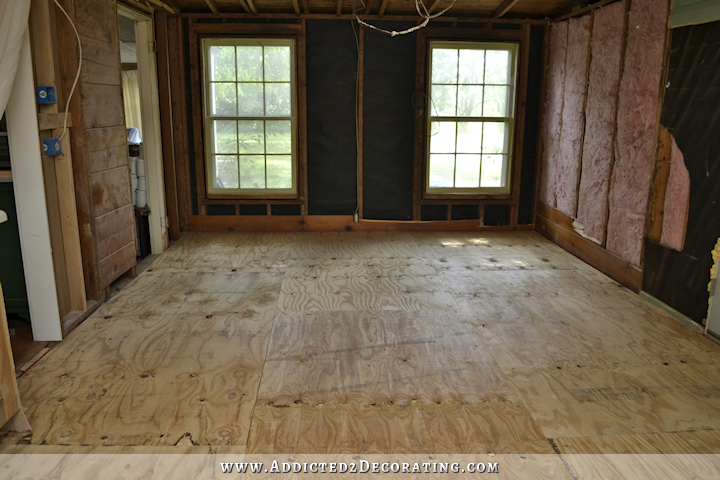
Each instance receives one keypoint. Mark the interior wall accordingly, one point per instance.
(388, 124)
(690, 113)
(597, 176)
(99, 142)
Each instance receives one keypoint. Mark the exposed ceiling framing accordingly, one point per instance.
(531, 9)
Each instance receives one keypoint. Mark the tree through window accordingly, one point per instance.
(470, 117)
(250, 116)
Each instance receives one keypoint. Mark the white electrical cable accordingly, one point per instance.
(77, 75)
(421, 9)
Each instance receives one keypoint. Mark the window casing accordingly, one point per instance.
(471, 117)
(250, 116)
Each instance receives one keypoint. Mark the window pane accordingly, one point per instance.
(226, 171)
(224, 100)
(222, 64)
(472, 66)
(494, 137)
(467, 171)
(278, 137)
(225, 136)
(492, 167)
(495, 102)
(277, 99)
(277, 64)
(496, 67)
(251, 136)
(442, 170)
(443, 98)
(250, 99)
(249, 64)
(279, 171)
(252, 171)
(443, 137)
(470, 101)
(444, 65)
(469, 137)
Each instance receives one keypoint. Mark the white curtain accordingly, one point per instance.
(131, 97)
(13, 23)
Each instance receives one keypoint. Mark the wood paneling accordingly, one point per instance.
(110, 190)
(117, 263)
(107, 159)
(103, 105)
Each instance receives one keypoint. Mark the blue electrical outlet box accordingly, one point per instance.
(45, 95)
(51, 146)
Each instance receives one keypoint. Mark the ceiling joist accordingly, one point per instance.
(503, 8)
(383, 6)
(338, 10)
(296, 7)
(212, 6)
(252, 6)
(434, 6)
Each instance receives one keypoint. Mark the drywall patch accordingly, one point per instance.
(677, 200)
(573, 114)
(552, 116)
(600, 117)
(636, 128)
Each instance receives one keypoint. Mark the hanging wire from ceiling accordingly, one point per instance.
(419, 6)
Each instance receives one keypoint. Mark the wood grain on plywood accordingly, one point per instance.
(357, 342)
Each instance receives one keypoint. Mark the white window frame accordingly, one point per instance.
(208, 117)
(509, 121)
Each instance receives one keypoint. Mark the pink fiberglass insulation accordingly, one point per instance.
(636, 126)
(552, 116)
(677, 197)
(568, 161)
(600, 116)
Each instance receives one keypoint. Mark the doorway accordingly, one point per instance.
(142, 117)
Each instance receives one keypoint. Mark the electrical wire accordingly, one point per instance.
(419, 6)
(77, 75)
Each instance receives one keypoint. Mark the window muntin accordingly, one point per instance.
(470, 117)
(250, 121)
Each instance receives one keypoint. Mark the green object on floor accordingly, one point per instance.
(12, 274)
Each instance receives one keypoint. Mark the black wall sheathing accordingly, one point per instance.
(433, 212)
(388, 128)
(286, 209)
(331, 144)
(253, 210)
(532, 123)
(220, 209)
(497, 215)
(691, 113)
(465, 212)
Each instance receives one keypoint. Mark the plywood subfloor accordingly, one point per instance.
(376, 343)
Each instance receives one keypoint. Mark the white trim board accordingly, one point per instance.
(26, 163)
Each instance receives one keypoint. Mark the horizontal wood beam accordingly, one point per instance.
(330, 223)
(51, 121)
(281, 29)
(557, 227)
(503, 8)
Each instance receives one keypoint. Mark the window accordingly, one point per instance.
(470, 117)
(250, 116)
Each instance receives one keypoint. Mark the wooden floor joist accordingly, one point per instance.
(375, 342)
